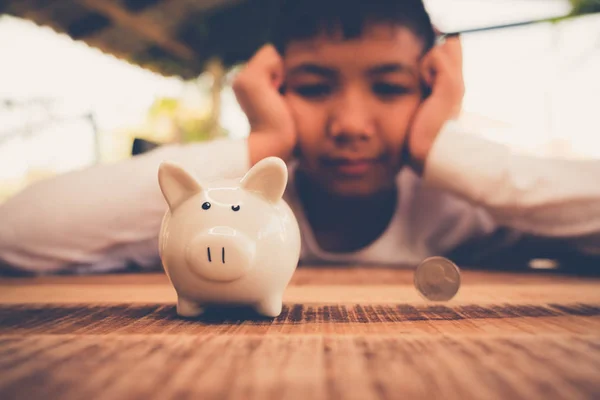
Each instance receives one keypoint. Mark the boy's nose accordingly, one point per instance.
(350, 119)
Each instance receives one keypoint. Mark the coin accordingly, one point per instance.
(437, 279)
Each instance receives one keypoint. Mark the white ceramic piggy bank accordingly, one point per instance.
(230, 241)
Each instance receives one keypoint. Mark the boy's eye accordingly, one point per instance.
(314, 90)
(389, 89)
(206, 205)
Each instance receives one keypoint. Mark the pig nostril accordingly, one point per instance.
(223, 254)
(208, 249)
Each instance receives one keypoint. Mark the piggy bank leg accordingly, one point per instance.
(187, 308)
(270, 307)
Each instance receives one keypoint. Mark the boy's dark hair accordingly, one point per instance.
(304, 19)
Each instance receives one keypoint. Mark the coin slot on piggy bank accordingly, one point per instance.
(228, 242)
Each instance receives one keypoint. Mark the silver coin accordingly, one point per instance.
(437, 279)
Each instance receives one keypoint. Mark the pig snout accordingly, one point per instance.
(221, 254)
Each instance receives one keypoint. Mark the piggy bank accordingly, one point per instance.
(228, 242)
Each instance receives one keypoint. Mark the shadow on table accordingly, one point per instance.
(527, 254)
(218, 315)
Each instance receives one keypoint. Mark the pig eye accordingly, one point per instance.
(235, 208)
(206, 206)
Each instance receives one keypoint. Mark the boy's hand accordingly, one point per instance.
(257, 90)
(441, 70)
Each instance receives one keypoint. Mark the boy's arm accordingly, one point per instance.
(545, 197)
(549, 198)
(272, 130)
(106, 216)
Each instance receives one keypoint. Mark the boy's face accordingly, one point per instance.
(352, 102)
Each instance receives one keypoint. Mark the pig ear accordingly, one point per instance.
(268, 177)
(176, 184)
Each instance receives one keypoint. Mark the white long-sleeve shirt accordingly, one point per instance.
(107, 217)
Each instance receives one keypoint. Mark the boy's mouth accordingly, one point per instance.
(351, 166)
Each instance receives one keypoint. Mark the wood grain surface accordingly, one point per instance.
(344, 333)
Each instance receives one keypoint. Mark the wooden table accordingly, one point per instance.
(351, 333)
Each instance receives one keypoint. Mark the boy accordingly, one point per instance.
(365, 108)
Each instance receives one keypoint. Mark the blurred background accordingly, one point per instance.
(81, 80)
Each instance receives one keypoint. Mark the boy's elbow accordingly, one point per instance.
(8, 247)
(17, 247)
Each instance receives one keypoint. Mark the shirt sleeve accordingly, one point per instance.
(535, 195)
(107, 216)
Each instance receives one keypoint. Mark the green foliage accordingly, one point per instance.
(188, 123)
(199, 130)
(581, 7)
(164, 105)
